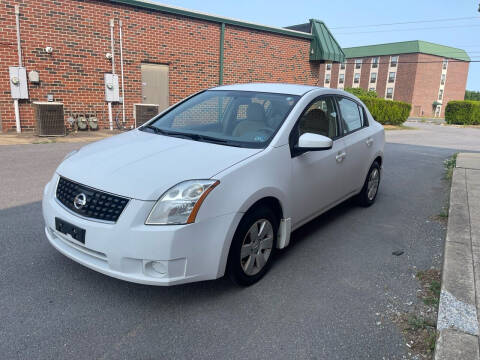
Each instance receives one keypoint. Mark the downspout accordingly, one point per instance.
(121, 71)
(222, 39)
(19, 50)
(112, 45)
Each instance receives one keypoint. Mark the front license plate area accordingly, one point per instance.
(69, 229)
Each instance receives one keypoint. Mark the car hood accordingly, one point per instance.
(143, 166)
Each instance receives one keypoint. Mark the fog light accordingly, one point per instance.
(159, 267)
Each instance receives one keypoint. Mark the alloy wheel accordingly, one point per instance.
(373, 182)
(256, 247)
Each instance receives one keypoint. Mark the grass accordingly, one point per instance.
(418, 322)
(421, 335)
(443, 214)
(449, 164)
(398, 127)
(49, 141)
(419, 325)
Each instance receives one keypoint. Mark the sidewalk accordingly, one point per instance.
(458, 322)
(31, 138)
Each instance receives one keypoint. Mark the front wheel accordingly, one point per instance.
(367, 196)
(253, 246)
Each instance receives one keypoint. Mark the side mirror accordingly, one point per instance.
(312, 142)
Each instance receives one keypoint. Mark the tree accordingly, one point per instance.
(472, 95)
(359, 92)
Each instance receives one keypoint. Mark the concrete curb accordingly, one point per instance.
(458, 323)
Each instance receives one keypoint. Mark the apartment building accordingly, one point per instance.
(424, 74)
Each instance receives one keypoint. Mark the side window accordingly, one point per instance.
(320, 118)
(352, 115)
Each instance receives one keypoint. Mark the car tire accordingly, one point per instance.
(367, 196)
(251, 252)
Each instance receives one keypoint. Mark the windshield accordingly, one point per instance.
(236, 118)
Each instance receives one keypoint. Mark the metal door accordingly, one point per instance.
(155, 85)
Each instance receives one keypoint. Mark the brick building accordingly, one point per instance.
(168, 53)
(423, 74)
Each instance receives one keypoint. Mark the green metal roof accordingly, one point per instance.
(407, 47)
(213, 18)
(324, 46)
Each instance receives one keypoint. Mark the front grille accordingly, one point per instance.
(98, 204)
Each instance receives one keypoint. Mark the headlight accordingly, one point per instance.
(180, 204)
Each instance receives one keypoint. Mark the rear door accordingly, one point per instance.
(358, 141)
(317, 175)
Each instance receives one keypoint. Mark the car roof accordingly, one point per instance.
(278, 88)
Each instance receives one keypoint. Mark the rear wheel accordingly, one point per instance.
(367, 196)
(253, 246)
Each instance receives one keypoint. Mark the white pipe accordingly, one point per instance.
(17, 115)
(110, 120)
(19, 45)
(19, 51)
(121, 71)
(112, 44)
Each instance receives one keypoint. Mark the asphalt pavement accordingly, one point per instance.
(330, 295)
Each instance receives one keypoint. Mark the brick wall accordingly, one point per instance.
(455, 83)
(365, 75)
(334, 75)
(79, 32)
(406, 72)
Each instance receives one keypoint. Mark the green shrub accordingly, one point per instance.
(463, 112)
(387, 112)
(359, 92)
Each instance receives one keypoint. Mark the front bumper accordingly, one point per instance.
(128, 249)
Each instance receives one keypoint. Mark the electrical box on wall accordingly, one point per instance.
(111, 88)
(18, 82)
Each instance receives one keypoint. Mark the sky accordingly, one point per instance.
(464, 34)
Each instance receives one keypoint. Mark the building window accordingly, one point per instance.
(440, 94)
(374, 62)
(356, 78)
(327, 79)
(341, 78)
(393, 61)
(391, 77)
(329, 66)
(358, 63)
(442, 82)
(371, 89)
(342, 66)
(389, 93)
(445, 64)
(373, 77)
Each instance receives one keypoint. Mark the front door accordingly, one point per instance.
(317, 176)
(155, 85)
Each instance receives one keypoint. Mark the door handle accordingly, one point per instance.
(340, 156)
(369, 142)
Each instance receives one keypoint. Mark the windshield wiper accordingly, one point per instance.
(155, 129)
(195, 137)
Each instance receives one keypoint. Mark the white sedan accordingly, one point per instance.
(215, 184)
